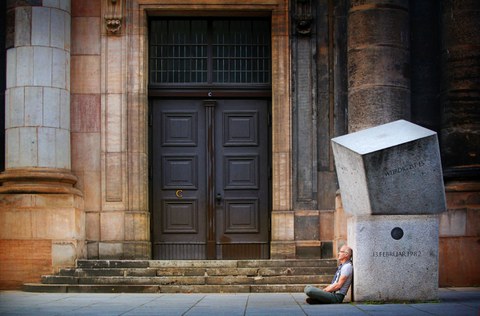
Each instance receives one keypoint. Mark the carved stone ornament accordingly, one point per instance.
(113, 25)
(113, 16)
(303, 16)
(304, 24)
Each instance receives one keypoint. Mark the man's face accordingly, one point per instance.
(343, 254)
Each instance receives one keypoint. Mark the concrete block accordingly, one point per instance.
(24, 66)
(42, 66)
(11, 67)
(86, 36)
(64, 118)
(57, 28)
(28, 145)
(46, 141)
(62, 148)
(453, 223)
(112, 226)
(16, 107)
(23, 22)
(33, 106)
(63, 254)
(59, 66)
(395, 257)
(40, 26)
(51, 106)
(12, 147)
(393, 168)
(110, 250)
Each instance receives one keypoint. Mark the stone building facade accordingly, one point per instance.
(79, 174)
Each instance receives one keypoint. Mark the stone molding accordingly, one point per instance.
(38, 180)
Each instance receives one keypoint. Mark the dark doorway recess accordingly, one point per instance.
(210, 90)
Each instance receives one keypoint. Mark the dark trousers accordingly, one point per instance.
(323, 297)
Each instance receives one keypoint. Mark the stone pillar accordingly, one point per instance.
(378, 62)
(460, 141)
(41, 213)
(37, 118)
(460, 132)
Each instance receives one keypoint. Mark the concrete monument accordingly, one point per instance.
(391, 182)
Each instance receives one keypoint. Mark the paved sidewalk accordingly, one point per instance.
(453, 301)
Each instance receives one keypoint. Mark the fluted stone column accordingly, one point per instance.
(42, 220)
(378, 63)
(460, 132)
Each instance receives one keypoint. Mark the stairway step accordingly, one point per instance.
(151, 272)
(204, 263)
(187, 276)
(186, 280)
(108, 288)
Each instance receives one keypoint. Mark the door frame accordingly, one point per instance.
(282, 244)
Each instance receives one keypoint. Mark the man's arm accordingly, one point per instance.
(337, 285)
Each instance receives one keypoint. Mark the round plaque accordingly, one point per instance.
(397, 233)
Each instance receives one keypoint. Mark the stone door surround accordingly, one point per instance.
(128, 160)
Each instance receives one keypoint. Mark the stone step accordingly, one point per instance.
(187, 280)
(122, 288)
(205, 271)
(204, 263)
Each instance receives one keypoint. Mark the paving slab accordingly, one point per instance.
(453, 301)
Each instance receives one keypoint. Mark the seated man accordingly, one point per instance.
(335, 292)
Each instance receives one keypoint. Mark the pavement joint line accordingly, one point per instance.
(246, 305)
(138, 306)
(196, 303)
(298, 303)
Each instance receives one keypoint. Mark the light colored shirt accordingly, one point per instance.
(345, 269)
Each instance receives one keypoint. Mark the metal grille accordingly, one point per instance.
(210, 51)
(178, 51)
(241, 52)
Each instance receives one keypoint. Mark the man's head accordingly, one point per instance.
(344, 254)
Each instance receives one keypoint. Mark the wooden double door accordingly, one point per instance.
(210, 164)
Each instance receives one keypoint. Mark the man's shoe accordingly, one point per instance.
(311, 301)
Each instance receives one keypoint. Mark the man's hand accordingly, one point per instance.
(337, 285)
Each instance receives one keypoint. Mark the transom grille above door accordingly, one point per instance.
(210, 51)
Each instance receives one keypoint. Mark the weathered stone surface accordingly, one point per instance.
(393, 168)
(188, 277)
(395, 257)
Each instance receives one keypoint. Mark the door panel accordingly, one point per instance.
(242, 179)
(210, 186)
(178, 150)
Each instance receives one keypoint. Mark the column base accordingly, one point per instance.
(38, 180)
(39, 234)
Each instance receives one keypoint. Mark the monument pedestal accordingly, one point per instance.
(391, 183)
(396, 257)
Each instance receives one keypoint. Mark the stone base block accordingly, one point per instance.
(39, 233)
(395, 257)
(459, 261)
(282, 250)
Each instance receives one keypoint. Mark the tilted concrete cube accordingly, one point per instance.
(391, 169)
